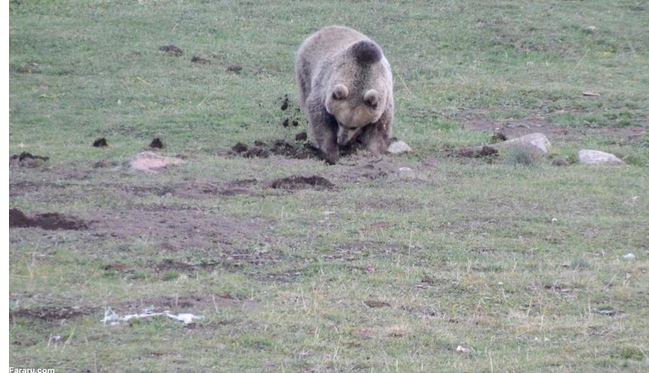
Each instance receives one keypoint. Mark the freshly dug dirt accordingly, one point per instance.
(25, 159)
(51, 313)
(234, 69)
(279, 147)
(200, 60)
(485, 151)
(49, 221)
(302, 182)
(171, 50)
(100, 142)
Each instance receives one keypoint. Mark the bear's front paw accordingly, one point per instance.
(330, 154)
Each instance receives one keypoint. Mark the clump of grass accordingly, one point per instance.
(520, 156)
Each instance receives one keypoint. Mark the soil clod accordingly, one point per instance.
(475, 152)
(200, 60)
(235, 69)
(25, 159)
(376, 303)
(301, 136)
(100, 143)
(49, 221)
(302, 182)
(172, 50)
(284, 103)
(156, 144)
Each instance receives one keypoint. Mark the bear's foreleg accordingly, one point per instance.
(324, 128)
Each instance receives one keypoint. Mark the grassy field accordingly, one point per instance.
(519, 263)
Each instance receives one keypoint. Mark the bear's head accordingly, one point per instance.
(358, 90)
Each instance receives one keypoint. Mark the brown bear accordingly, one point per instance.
(345, 85)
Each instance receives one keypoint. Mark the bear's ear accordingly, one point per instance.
(371, 97)
(340, 92)
(366, 52)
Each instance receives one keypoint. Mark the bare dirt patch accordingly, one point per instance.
(518, 128)
(176, 266)
(151, 162)
(175, 230)
(302, 182)
(49, 221)
(51, 313)
(196, 303)
(26, 159)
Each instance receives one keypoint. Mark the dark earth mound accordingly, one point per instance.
(171, 50)
(302, 182)
(234, 69)
(100, 142)
(301, 136)
(25, 159)
(280, 147)
(156, 143)
(200, 60)
(49, 221)
(51, 313)
(485, 151)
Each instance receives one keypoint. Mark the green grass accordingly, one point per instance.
(516, 260)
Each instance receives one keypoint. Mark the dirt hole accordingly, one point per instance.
(156, 144)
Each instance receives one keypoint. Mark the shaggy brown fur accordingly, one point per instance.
(345, 87)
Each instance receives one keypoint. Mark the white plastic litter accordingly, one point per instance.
(112, 318)
(628, 256)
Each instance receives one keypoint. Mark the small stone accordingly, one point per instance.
(398, 147)
(596, 157)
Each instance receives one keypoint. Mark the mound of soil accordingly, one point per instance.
(200, 60)
(100, 142)
(302, 182)
(171, 50)
(279, 147)
(49, 221)
(234, 69)
(475, 152)
(51, 313)
(25, 159)
(156, 144)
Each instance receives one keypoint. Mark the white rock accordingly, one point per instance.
(407, 173)
(399, 147)
(596, 157)
(536, 142)
(628, 256)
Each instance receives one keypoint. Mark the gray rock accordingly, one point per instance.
(399, 147)
(536, 143)
(596, 157)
